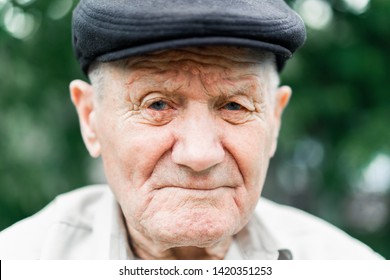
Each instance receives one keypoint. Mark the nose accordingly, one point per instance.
(198, 145)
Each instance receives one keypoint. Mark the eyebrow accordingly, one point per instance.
(238, 86)
(245, 84)
(150, 83)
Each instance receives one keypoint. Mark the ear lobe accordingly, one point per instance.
(282, 98)
(82, 96)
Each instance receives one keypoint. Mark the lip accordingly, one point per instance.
(200, 188)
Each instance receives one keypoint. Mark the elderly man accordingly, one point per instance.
(184, 107)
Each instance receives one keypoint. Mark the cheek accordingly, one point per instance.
(130, 153)
(250, 146)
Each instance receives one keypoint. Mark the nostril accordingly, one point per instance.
(198, 156)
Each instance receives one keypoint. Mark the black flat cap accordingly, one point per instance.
(108, 30)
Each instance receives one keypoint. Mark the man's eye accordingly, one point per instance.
(159, 105)
(232, 106)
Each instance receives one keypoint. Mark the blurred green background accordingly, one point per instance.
(333, 158)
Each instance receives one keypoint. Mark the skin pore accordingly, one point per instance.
(185, 137)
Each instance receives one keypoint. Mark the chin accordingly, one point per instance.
(196, 238)
(200, 229)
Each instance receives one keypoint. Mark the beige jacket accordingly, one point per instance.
(87, 224)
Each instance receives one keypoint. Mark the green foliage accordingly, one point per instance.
(40, 146)
(342, 103)
(336, 125)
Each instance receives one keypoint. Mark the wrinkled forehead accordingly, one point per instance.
(215, 67)
(218, 57)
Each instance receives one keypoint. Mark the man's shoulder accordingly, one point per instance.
(27, 238)
(308, 236)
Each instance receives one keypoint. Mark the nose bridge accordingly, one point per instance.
(198, 143)
(199, 124)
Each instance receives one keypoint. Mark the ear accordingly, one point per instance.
(282, 98)
(82, 96)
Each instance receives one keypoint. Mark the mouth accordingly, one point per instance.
(202, 188)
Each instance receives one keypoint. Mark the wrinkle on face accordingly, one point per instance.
(167, 201)
(172, 76)
(220, 79)
(219, 55)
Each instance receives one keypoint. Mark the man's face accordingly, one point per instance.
(185, 138)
